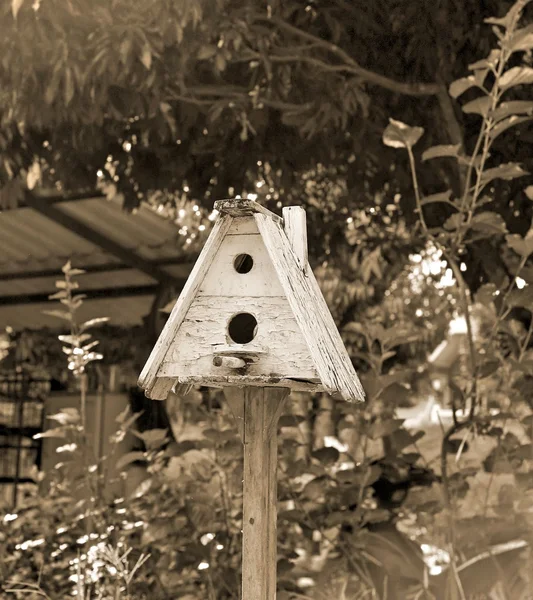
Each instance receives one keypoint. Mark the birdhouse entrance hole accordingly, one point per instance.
(243, 263)
(242, 328)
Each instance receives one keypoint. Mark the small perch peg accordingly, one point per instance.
(231, 362)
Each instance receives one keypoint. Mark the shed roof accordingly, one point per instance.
(127, 256)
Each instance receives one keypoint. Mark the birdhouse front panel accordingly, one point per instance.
(240, 326)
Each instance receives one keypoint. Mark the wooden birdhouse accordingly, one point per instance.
(252, 320)
(252, 314)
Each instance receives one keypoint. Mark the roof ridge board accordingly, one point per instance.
(242, 207)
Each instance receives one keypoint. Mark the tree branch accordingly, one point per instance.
(409, 89)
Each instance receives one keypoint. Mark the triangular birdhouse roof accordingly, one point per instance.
(326, 365)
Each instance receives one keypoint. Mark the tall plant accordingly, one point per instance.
(470, 219)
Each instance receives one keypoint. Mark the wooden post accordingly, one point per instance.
(295, 225)
(260, 409)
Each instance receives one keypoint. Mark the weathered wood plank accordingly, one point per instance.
(240, 207)
(160, 388)
(149, 373)
(243, 226)
(331, 360)
(223, 381)
(235, 399)
(223, 279)
(295, 226)
(284, 353)
(262, 408)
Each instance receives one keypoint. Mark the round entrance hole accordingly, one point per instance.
(243, 263)
(242, 328)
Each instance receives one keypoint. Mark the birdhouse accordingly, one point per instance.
(252, 314)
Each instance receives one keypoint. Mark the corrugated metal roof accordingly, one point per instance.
(30, 241)
(33, 248)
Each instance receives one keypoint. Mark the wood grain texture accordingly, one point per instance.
(332, 362)
(223, 280)
(262, 408)
(283, 351)
(149, 373)
(223, 381)
(241, 207)
(295, 226)
(235, 399)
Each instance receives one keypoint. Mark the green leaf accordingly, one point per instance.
(153, 438)
(315, 489)
(521, 40)
(505, 171)
(146, 57)
(69, 87)
(522, 246)
(441, 151)
(522, 298)
(516, 76)
(400, 135)
(15, 7)
(93, 323)
(326, 456)
(290, 420)
(125, 49)
(488, 222)
(67, 416)
(206, 52)
(384, 427)
(486, 293)
(58, 295)
(454, 222)
(479, 106)
(220, 63)
(402, 438)
(128, 458)
(511, 16)
(488, 63)
(57, 432)
(509, 109)
(440, 197)
(506, 124)
(487, 368)
(460, 86)
(74, 340)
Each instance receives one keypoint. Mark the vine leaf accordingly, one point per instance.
(507, 109)
(15, 7)
(489, 222)
(479, 106)
(440, 197)
(459, 86)
(522, 246)
(506, 124)
(522, 40)
(516, 76)
(453, 222)
(507, 171)
(400, 135)
(441, 151)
